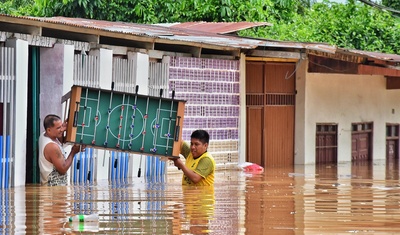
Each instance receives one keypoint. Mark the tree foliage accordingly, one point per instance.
(157, 11)
(395, 4)
(69, 8)
(16, 7)
(351, 25)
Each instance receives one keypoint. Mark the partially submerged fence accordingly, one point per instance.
(86, 73)
(7, 111)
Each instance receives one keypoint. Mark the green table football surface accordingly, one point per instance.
(126, 122)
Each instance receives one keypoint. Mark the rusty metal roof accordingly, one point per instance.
(376, 55)
(217, 27)
(182, 35)
(117, 27)
(155, 31)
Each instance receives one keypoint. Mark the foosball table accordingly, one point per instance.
(124, 121)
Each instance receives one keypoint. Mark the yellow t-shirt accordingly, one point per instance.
(203, 165)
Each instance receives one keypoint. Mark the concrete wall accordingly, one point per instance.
(343, 99)
(300, 142)
(242, 118)
(68, 70)
(51, 81)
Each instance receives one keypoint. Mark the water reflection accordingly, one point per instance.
(270, 202)
(326, 188)
(352, 198)
(46, 208)
(328, 199)
(194, 214)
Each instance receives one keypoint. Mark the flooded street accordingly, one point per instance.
(361, 198)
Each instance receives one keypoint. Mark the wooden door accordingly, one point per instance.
(361, 140)
(270, 89)
(255, 101)
(279, 113)
(255, 135)
(392, 141)
(392, 149)
(326, 143)
(360, 144)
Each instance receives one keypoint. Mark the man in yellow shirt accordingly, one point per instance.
(199, 167)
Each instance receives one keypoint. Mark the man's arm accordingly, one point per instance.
(185, 149)
(193, 176)
(53, 154)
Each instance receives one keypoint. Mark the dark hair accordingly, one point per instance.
(49, 120)
(202, 135)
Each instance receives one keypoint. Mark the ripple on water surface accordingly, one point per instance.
(328, 199)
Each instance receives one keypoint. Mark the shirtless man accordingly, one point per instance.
(53, 159)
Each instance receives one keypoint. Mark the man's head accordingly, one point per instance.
(199, 142)
(53, 126)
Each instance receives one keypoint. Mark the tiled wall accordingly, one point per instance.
(211, 89)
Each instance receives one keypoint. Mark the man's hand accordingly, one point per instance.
(177, 162)
(193, 176)
(65, 125)
(78, 148)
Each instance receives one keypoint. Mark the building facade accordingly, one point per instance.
(267, 102)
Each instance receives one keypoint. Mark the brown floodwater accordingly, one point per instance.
(347, 198)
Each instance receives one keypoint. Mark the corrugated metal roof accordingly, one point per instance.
(217, 27)
(377, 55)
(169, 33)
(174, 34)
(183, 35)
(117, 27)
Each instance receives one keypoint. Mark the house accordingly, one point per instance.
(269, 102)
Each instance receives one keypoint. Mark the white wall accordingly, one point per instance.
(20, 109)
(243, 110)
(346, 99)
(142, 80)
(68, 69)
(106, 62)
(68, 79)
(300, 127)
